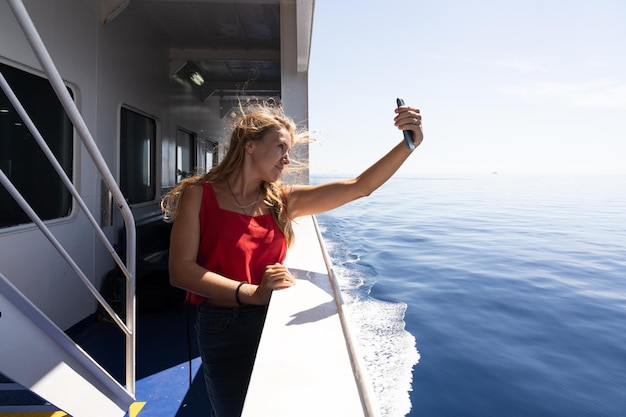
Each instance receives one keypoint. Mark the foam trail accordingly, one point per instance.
(389, 351)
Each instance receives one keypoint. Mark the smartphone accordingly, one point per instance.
(408, 135)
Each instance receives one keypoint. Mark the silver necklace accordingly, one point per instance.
(241, 206)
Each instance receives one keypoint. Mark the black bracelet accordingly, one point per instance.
(237, 292)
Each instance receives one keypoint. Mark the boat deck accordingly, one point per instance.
(306, 361)
(164, 350)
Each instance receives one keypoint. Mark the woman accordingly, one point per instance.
(231, 231)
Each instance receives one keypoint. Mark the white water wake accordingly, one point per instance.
(389, 351)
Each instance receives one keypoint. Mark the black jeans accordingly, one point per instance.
(228, 338)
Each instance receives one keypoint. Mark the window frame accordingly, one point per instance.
(155, 160)
(69, 146)
(193, 153)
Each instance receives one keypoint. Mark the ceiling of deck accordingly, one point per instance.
(234, 46)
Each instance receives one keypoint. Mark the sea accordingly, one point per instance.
(487, 295)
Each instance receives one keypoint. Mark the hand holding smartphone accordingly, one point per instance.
(408, 135)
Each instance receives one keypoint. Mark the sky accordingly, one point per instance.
(509, 86)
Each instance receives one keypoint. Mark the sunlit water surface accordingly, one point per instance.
(488, 295)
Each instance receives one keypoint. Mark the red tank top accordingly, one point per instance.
(234, 245)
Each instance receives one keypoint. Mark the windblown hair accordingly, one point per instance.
(251, 125)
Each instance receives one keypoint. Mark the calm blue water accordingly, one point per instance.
(488, 295)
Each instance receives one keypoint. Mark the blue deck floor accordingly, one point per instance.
(162, 362)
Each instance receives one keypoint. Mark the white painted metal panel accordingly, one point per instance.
(303, 366)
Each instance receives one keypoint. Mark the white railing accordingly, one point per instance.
(39, 356)
(362, 379)
(128, 269)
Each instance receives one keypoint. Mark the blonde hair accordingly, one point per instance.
(251, 125)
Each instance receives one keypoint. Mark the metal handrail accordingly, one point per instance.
(363, 382)
(59, 169)
(28, 27)
(37, 220)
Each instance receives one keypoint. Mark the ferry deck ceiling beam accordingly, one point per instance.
(234, 45)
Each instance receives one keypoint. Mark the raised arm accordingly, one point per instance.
(313, 199)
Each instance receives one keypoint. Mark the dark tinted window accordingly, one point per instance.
(21, 159)
(185, 154)
(137, 157)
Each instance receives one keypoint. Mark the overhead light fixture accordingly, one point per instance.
(193, 77)
(196, 78)
(4, 110)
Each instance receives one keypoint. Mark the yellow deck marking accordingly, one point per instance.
(135, 408)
